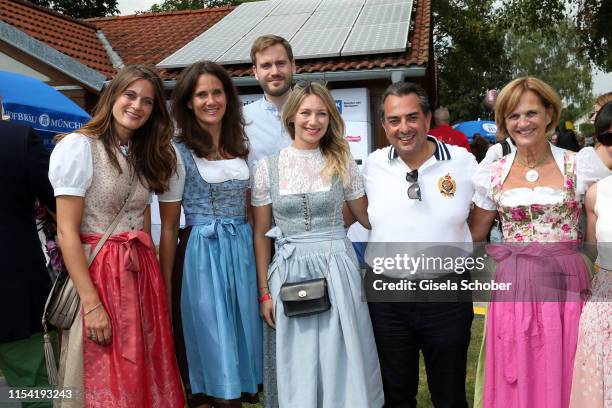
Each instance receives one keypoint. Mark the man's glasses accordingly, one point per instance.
(605, 138)
(414, 191)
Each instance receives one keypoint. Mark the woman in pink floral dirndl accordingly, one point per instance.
(119, 351)
(532, 329)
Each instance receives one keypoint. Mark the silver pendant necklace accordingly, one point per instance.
(532, 175)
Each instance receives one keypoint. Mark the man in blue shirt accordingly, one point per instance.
(273, 66)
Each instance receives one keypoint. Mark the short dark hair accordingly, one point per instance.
(269, 40)
(603, 121)
(401, 89)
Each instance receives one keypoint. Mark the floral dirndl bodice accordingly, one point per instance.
(539, 222)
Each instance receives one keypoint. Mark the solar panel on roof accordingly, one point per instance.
(255, 9)
(339, 4)
(376, 2)
(235, 28)
(326, 19)
(207, 49)
(285, 23)
(384, 14)
(285, 26)
(376, 39)
(315, 28)
(319, 44)
(289, 7)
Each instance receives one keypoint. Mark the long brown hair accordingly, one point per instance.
(333, 145)
(233, 138)
(151, 153)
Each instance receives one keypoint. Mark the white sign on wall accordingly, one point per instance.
(353, 104)
(358, 137)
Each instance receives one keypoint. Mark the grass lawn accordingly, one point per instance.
(423, 396)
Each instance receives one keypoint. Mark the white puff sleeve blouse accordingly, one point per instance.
(71, 166)
(177, 182)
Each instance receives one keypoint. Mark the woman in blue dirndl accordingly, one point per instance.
(327, 359)
(219, 316)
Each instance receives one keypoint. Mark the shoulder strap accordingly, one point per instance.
(113, 224)
(505, 147)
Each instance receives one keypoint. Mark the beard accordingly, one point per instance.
(280, 91)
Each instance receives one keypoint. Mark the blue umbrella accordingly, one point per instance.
(32, 102)
(486, 128)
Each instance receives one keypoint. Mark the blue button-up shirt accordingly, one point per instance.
(264, 129)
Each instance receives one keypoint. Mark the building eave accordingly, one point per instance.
(74, 69)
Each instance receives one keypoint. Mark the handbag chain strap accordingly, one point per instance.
(113, 225)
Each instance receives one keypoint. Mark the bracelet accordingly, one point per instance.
(92, 309)
(265, 298)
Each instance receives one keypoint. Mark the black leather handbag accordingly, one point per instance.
(305, 298)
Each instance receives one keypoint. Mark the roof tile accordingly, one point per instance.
(151, 37)
(72, 37)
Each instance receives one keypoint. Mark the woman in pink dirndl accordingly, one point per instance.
(119, 350)
(531, 329)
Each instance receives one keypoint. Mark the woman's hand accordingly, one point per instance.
(98, 325)
(266, 311)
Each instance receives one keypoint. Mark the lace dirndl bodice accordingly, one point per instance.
(306, 212)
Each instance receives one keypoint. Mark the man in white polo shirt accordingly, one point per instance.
(419, 191)
(273, 67)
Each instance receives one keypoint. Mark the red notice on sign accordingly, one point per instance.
(353, 138)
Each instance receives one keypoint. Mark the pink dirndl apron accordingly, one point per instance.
(138, 368)
(532, 330)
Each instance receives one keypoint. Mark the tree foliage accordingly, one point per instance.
(469, 48)
(482, 45)
(81, 8)
(558, 60)
(594, 17)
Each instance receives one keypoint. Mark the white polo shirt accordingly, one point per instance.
(445, 180)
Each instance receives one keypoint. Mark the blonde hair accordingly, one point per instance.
(509, 97)
(333, 145)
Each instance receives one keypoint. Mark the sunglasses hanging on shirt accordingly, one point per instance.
(414, 190)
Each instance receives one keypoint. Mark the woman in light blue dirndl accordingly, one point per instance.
(219, 316)
(327, 359)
